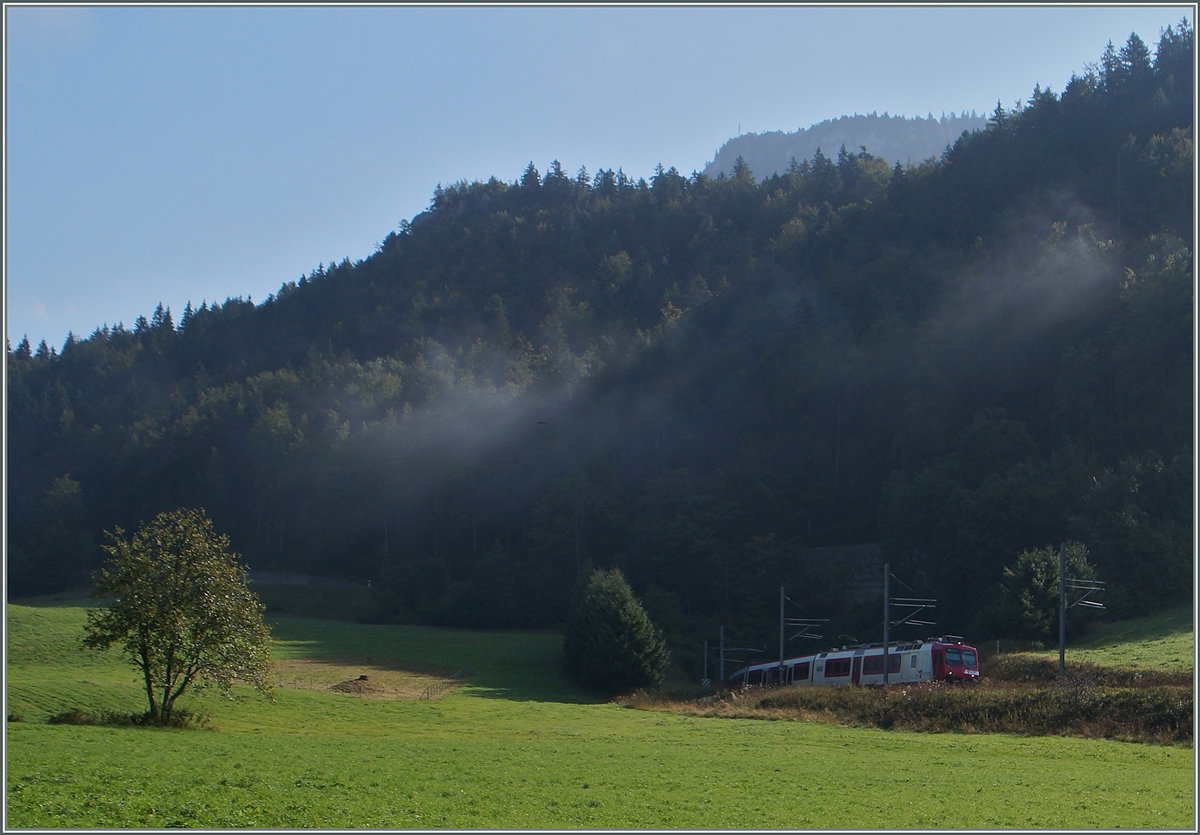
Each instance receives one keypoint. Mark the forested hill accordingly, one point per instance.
(694, 379)
(891, 138)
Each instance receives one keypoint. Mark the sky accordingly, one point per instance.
(173, 154)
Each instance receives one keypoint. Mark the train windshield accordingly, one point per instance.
(961, 657)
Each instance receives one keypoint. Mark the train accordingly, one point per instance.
(946, 658)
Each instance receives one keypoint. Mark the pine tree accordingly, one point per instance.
(531, 178)
(610, 643)
(741, 171)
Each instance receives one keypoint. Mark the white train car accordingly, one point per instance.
(935, 659)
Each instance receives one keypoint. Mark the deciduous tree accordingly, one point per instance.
(181, 611)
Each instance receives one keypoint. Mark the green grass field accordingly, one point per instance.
(1165, 642)
(518, 746)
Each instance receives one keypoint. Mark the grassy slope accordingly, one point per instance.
(1165, 642)
(520, 747)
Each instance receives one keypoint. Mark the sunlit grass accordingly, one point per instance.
(1165, 642)
(519, 747)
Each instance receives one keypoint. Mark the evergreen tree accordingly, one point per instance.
(1029, 592)
(610, 644)
(741, 172)
(531, 178)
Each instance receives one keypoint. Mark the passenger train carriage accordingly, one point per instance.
(935, 659)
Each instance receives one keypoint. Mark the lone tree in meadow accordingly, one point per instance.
(181, 611)
(610, 643)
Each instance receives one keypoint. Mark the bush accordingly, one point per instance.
(1161, 714)
(610, 644)
(179, 718)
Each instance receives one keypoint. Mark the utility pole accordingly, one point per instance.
(781, 621)
(1088, 587)
(886, 619)
(1062, 609)
(806, 624)
(914, 605)
(722, 666)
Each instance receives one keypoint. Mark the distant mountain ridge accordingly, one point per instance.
(893, 138)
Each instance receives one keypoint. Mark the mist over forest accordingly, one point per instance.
(697, 379)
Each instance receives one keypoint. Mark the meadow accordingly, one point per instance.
(518, 746)
(1164, 642)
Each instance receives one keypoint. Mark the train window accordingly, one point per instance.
(912, 662)
(801, 672)
(837, 667)
(963, 657)
(873, 664)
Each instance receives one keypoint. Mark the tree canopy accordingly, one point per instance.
(180, 610)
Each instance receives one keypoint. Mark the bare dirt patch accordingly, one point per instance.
(365, 677)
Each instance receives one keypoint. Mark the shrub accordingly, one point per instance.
(179, 718)
(1152, 714)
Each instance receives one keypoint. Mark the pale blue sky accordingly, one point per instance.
(176, 153)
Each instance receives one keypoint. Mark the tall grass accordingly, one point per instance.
(1150, 714)
(1031, 668)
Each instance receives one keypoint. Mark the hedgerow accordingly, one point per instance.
(1160, 714)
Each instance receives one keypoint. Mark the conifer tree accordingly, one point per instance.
(610, 643)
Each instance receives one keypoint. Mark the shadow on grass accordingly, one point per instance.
(519, 667)
(78, 598)
(508, 694)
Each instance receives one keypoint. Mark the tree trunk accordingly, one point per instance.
(145, 665)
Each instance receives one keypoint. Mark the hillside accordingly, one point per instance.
(895, 139)
(695, 379)
(1164, 642)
